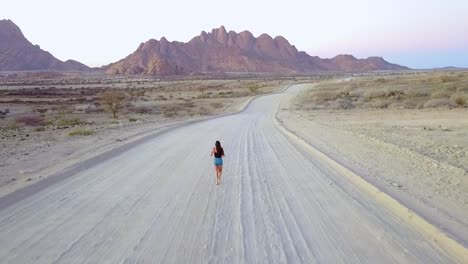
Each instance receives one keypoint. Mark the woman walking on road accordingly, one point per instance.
(218, 153)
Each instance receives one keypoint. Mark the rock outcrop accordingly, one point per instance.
(222, 51)
(17, 53)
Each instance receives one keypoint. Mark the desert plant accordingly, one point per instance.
(253, 88)
(380, 80)
(204, 111)
(216, 105)
(70, 122)
(434, 103)
(325, 95)
(459, 99)
(81, 132)
(440, 94)
(113, 101)
(41, 110)
(10, 125)
(447, 78)
(140, 109)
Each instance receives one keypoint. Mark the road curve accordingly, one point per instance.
(157, 203)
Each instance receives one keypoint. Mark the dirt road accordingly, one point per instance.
(157, 202)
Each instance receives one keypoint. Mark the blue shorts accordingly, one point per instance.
(218, 162)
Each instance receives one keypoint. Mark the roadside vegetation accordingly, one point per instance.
(48, 106)
(404, 91)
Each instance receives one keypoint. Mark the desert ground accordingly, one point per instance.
(49, 121)
(407, 134)
(325, 169)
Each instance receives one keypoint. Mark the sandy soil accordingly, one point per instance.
(418, 156)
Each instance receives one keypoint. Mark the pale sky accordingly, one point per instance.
(414, 33)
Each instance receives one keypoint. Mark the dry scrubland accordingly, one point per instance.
(422, 111)
(46, 118)
(409, 91)
(407, 133)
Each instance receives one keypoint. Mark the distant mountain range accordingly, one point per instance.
(217, 51)
(18, 54)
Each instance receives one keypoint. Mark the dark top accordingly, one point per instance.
(219, 155)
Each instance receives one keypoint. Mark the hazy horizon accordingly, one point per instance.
(420, 34)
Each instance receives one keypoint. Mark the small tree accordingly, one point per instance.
(113, 101)
(253, 88)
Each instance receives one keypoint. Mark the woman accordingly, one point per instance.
(218, 153)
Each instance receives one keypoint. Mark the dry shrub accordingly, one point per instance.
(140, 109)
(204, 111)
(171, 108)
(384, 94)
(94, 110)
(380, 80)
(416, 93)
(82, 132)
(253, 88)
(440, 94)
(188, 104)
(70, 122)
(325, 95)
(435, 103)
(343, 104)
(216, 105)
(169, 114)
(459, 99)
(462, 89)
(379, 104)
(408, 104)
(30, 120)
(41, 110)
(10, 125)
(447, 78)
(374, 94)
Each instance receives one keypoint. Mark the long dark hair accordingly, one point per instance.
(219, 149)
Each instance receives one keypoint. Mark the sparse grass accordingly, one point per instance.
(38, 129)
(428, 90)
(70, 122)
(440, 94)
(82, 132)
(447, 78)
(11, 125)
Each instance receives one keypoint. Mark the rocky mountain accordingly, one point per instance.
(222, 51)
(17, 53)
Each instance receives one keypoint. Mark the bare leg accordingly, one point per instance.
(220, 169)
(218, 175)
